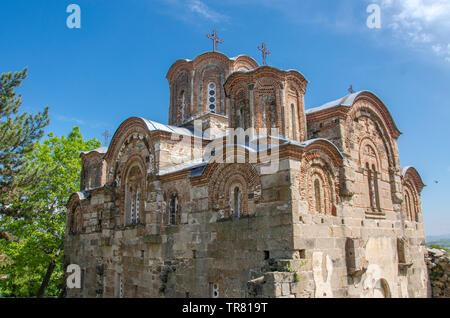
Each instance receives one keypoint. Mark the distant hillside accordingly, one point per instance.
(438, 237)
(441, 240)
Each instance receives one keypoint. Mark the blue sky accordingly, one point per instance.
(114, 67)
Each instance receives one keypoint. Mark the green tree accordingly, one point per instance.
(18, 133)
(33, 265)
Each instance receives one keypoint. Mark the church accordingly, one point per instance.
(246, 192)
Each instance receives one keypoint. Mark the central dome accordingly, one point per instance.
(197, 86)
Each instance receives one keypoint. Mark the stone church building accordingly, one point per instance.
(189, 210)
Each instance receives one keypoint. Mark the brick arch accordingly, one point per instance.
(295, 127)
(130, 130)
(207, 57)
(77, 221)
(183, 198)
(368, 153)
(364, 107)
(267, 103)
(410, 173)
(75, 209)
(177, 67)
(179, 85)
(317, 164)
(223, 177)
(244, 63)
(240, 100)
(297, 81)
(412, 185)
(411, 201)
(380, 108)
(72, 217)
(211, 73)
(369, 110)
(327, 150)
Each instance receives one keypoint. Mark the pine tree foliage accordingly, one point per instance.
(18, 133)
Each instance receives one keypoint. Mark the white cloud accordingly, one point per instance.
(191, 10)
(69, 119)
(422, 23)
(204, 11)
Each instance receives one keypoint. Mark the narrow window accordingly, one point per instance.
(212, 102)
(183, 106)
(242, 119)
(263, 112)
(137, 205)
(408, 206)
(173, 209)
(100, 220)
(318, 196)
(375, 188)
(132, 207)
(120, 286)
(127, 206)
(273, 113)
(293, 123)
(79, 227)
(371, 186)
(237, 201)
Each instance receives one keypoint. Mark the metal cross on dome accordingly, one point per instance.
(264, 51)
(215, 39)
(350, 89)
(106, 134)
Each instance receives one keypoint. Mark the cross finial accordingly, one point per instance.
(106, 134)
(264, 51)
(215, 39)
(350, 89)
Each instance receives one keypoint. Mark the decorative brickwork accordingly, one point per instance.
(224, 179)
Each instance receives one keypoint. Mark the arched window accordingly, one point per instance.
(99, 220)
(173, 209)
(212, 97)
(273, 113)
(120, 283)
(408, 206)
(318, 196)
(293, 123)
(375, 186)
(133, 196)
(183, 106)
(242, 118)
(237, 197)
(372, 177)
(138, 204)
(77, 221)
(71, 221)
(132, 206)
